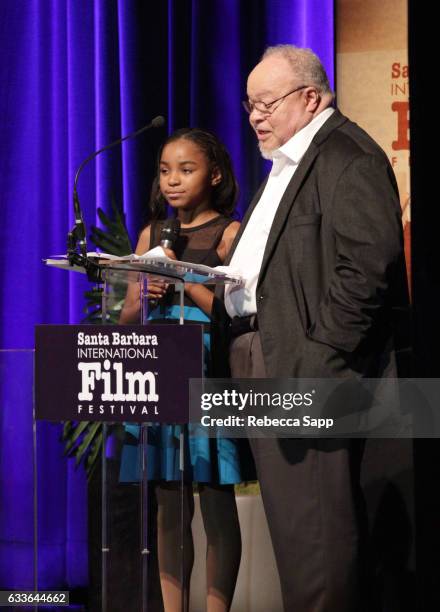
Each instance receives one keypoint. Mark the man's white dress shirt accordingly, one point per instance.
(248, 256)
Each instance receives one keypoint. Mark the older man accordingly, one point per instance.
(321, 249)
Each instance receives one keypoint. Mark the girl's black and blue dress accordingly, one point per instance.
(216, 460)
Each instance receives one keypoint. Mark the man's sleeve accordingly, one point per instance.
(367, 229)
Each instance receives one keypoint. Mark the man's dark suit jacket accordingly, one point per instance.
(333, 274)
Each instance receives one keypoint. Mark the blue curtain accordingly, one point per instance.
(74, 75)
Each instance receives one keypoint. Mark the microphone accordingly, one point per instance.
(168, 236)
(169, 233)
(77, 236)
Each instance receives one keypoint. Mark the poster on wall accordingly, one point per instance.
(373, 82)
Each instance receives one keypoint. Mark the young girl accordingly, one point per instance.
(196, 179)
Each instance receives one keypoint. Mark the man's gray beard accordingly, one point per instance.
(265, 154)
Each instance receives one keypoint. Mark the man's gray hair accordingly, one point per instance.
(306, 66)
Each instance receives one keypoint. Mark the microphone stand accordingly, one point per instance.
(76, 238)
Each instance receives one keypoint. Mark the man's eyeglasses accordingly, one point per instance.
(267, 109)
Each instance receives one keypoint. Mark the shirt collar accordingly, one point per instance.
(296, 146)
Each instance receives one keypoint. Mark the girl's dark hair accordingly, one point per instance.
(224, 194)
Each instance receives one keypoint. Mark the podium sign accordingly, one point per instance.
(116, 373)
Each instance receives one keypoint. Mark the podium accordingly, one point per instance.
(58, 402)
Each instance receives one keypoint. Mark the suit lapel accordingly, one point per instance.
(289, 196)
(286, 203)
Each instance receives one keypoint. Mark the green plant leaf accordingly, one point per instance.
(83, 440)
(82, 448)
(114, 238)
(74, 434)
(95, 449)
(67, 428)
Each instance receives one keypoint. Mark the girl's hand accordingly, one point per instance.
(156, 289)
(169, 253)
